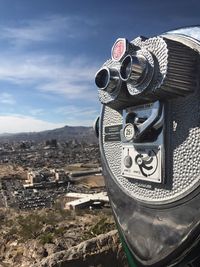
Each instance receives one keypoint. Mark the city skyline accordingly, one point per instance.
(51, 50)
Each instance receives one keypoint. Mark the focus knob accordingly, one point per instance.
(128, 161)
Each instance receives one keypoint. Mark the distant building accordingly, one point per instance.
(45, 176)
(34, 177)
(79, 200)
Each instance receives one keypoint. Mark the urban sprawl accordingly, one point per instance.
(34, 175)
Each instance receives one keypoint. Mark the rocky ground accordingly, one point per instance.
(101, 251)
(54, 237)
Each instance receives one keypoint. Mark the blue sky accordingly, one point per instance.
(50, 51)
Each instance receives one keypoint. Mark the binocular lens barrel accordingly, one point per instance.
(102, 78)
(107, 79)
(133, 68)
(126, 68)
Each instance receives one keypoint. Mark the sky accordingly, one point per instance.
(50, 51)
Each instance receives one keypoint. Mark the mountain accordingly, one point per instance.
(66, 133)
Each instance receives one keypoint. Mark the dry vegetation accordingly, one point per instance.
(30, 236)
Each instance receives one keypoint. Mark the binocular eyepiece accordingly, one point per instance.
(146, 70)
(134, 69)
(107, 79)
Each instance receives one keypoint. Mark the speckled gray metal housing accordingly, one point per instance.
(182, 143)
(160, 222)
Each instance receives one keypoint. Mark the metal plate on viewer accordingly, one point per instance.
(146, 163)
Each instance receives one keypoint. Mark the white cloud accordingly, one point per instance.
(50, 74)
(7, 99)
(36, 111)
(78, 115)
(19, 123)
(47, 74)
(76, 111)
(47, 29)
(79, 122)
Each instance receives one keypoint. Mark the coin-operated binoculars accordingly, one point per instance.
(149, 134)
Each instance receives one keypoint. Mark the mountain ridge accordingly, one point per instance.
(66, 133)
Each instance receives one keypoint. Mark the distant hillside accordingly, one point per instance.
(66, 133)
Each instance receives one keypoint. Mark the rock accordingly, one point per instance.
(51, 248)
(41, 252)
(102, 251)
(47, 228)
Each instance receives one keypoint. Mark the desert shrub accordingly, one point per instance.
(60, 231)
(50, 218)
(13, 231)
(8, 222)
(101, 227)
(60, 211)
(46, 238)
(29, 226)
